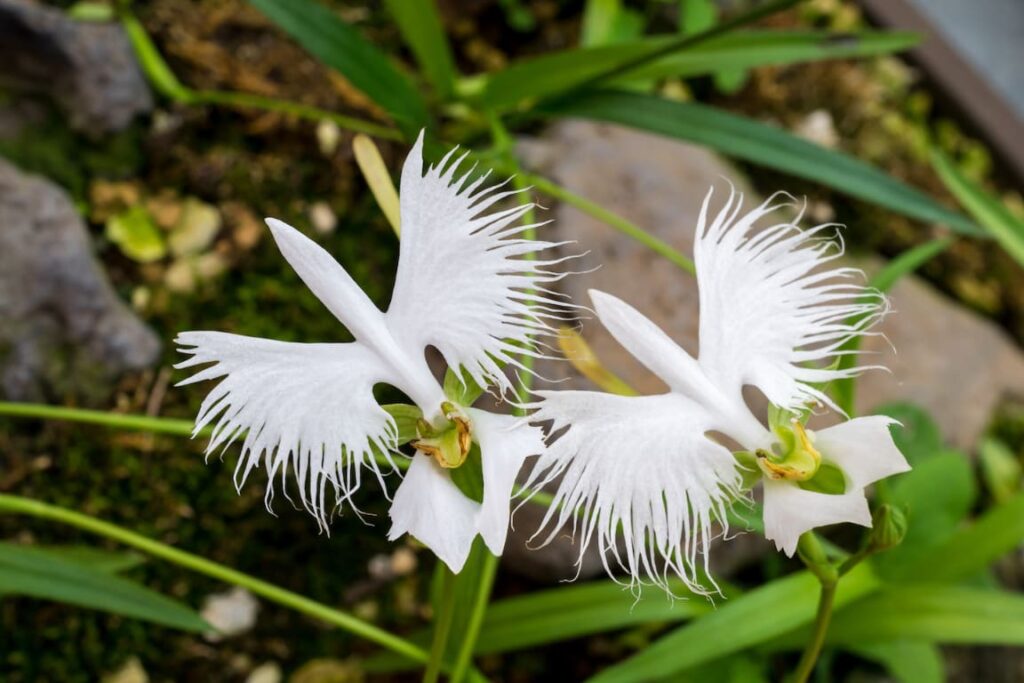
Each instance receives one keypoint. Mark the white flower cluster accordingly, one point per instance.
(648, 478)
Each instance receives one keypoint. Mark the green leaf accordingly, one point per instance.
(557, 72)
(971, 549)
(341, 47)
(134, 232)
(917, 436)
(909, 661)
(606, 22)
(1000, 469)
(736, 625)
(986, 209)
(422, 29)
(935, 613)
(750, 49)
(761, 144)
(107, 561)
(937, 495)
(37, 573)
(582, 609)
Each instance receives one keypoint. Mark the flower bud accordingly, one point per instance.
(888, 527)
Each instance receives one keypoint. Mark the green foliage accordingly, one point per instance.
(421, 27)
(88, 582)
(557, 72)
(338, 45)
(909, 661)
(737, 625)
(1000, 468)
(986, 209)
(761, 144)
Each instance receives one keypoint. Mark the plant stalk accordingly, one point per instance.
(201, 565)
(821, 621)
(442, 628)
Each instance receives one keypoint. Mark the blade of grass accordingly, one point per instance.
(421, 27)
(341, 47)
(760, 144)
(986, 209)
(26, 506)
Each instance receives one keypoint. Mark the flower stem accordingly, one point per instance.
(476, 617)
(821, 621)
(442, 628)
(142, 423)
(812, 553)
(201, 565)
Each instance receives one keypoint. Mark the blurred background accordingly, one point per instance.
(131, 210)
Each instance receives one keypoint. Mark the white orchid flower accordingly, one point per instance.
(645, 478)
(462, 287)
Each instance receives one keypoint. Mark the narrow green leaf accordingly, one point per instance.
(986, 209)
(37, 573)
(936, 613)
(107, 561)
(556, 72)
(756, 617)
(583, 609)
(971, 549)
(328, 38)
(761, 144)
(750, 49)
(909, 661)
(422, 29)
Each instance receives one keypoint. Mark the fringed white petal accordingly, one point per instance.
(429, 506)
(505, 443)
(307, 409)
(463, 284)
(638, 477)
(773, 311)
(864, 450)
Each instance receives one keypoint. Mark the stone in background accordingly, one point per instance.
(62, 327)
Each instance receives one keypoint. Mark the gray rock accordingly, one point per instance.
(87, 68)
(946, 359)
(62, 327)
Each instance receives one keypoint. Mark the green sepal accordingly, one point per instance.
(405, 417)
(749, 470)
(828, 479)
(469, 476)
(461, 388)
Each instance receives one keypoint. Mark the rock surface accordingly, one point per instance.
(946, 359)
(87, 68)
(62, 327)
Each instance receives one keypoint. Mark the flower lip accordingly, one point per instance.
(799, 463)
(449, 444)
